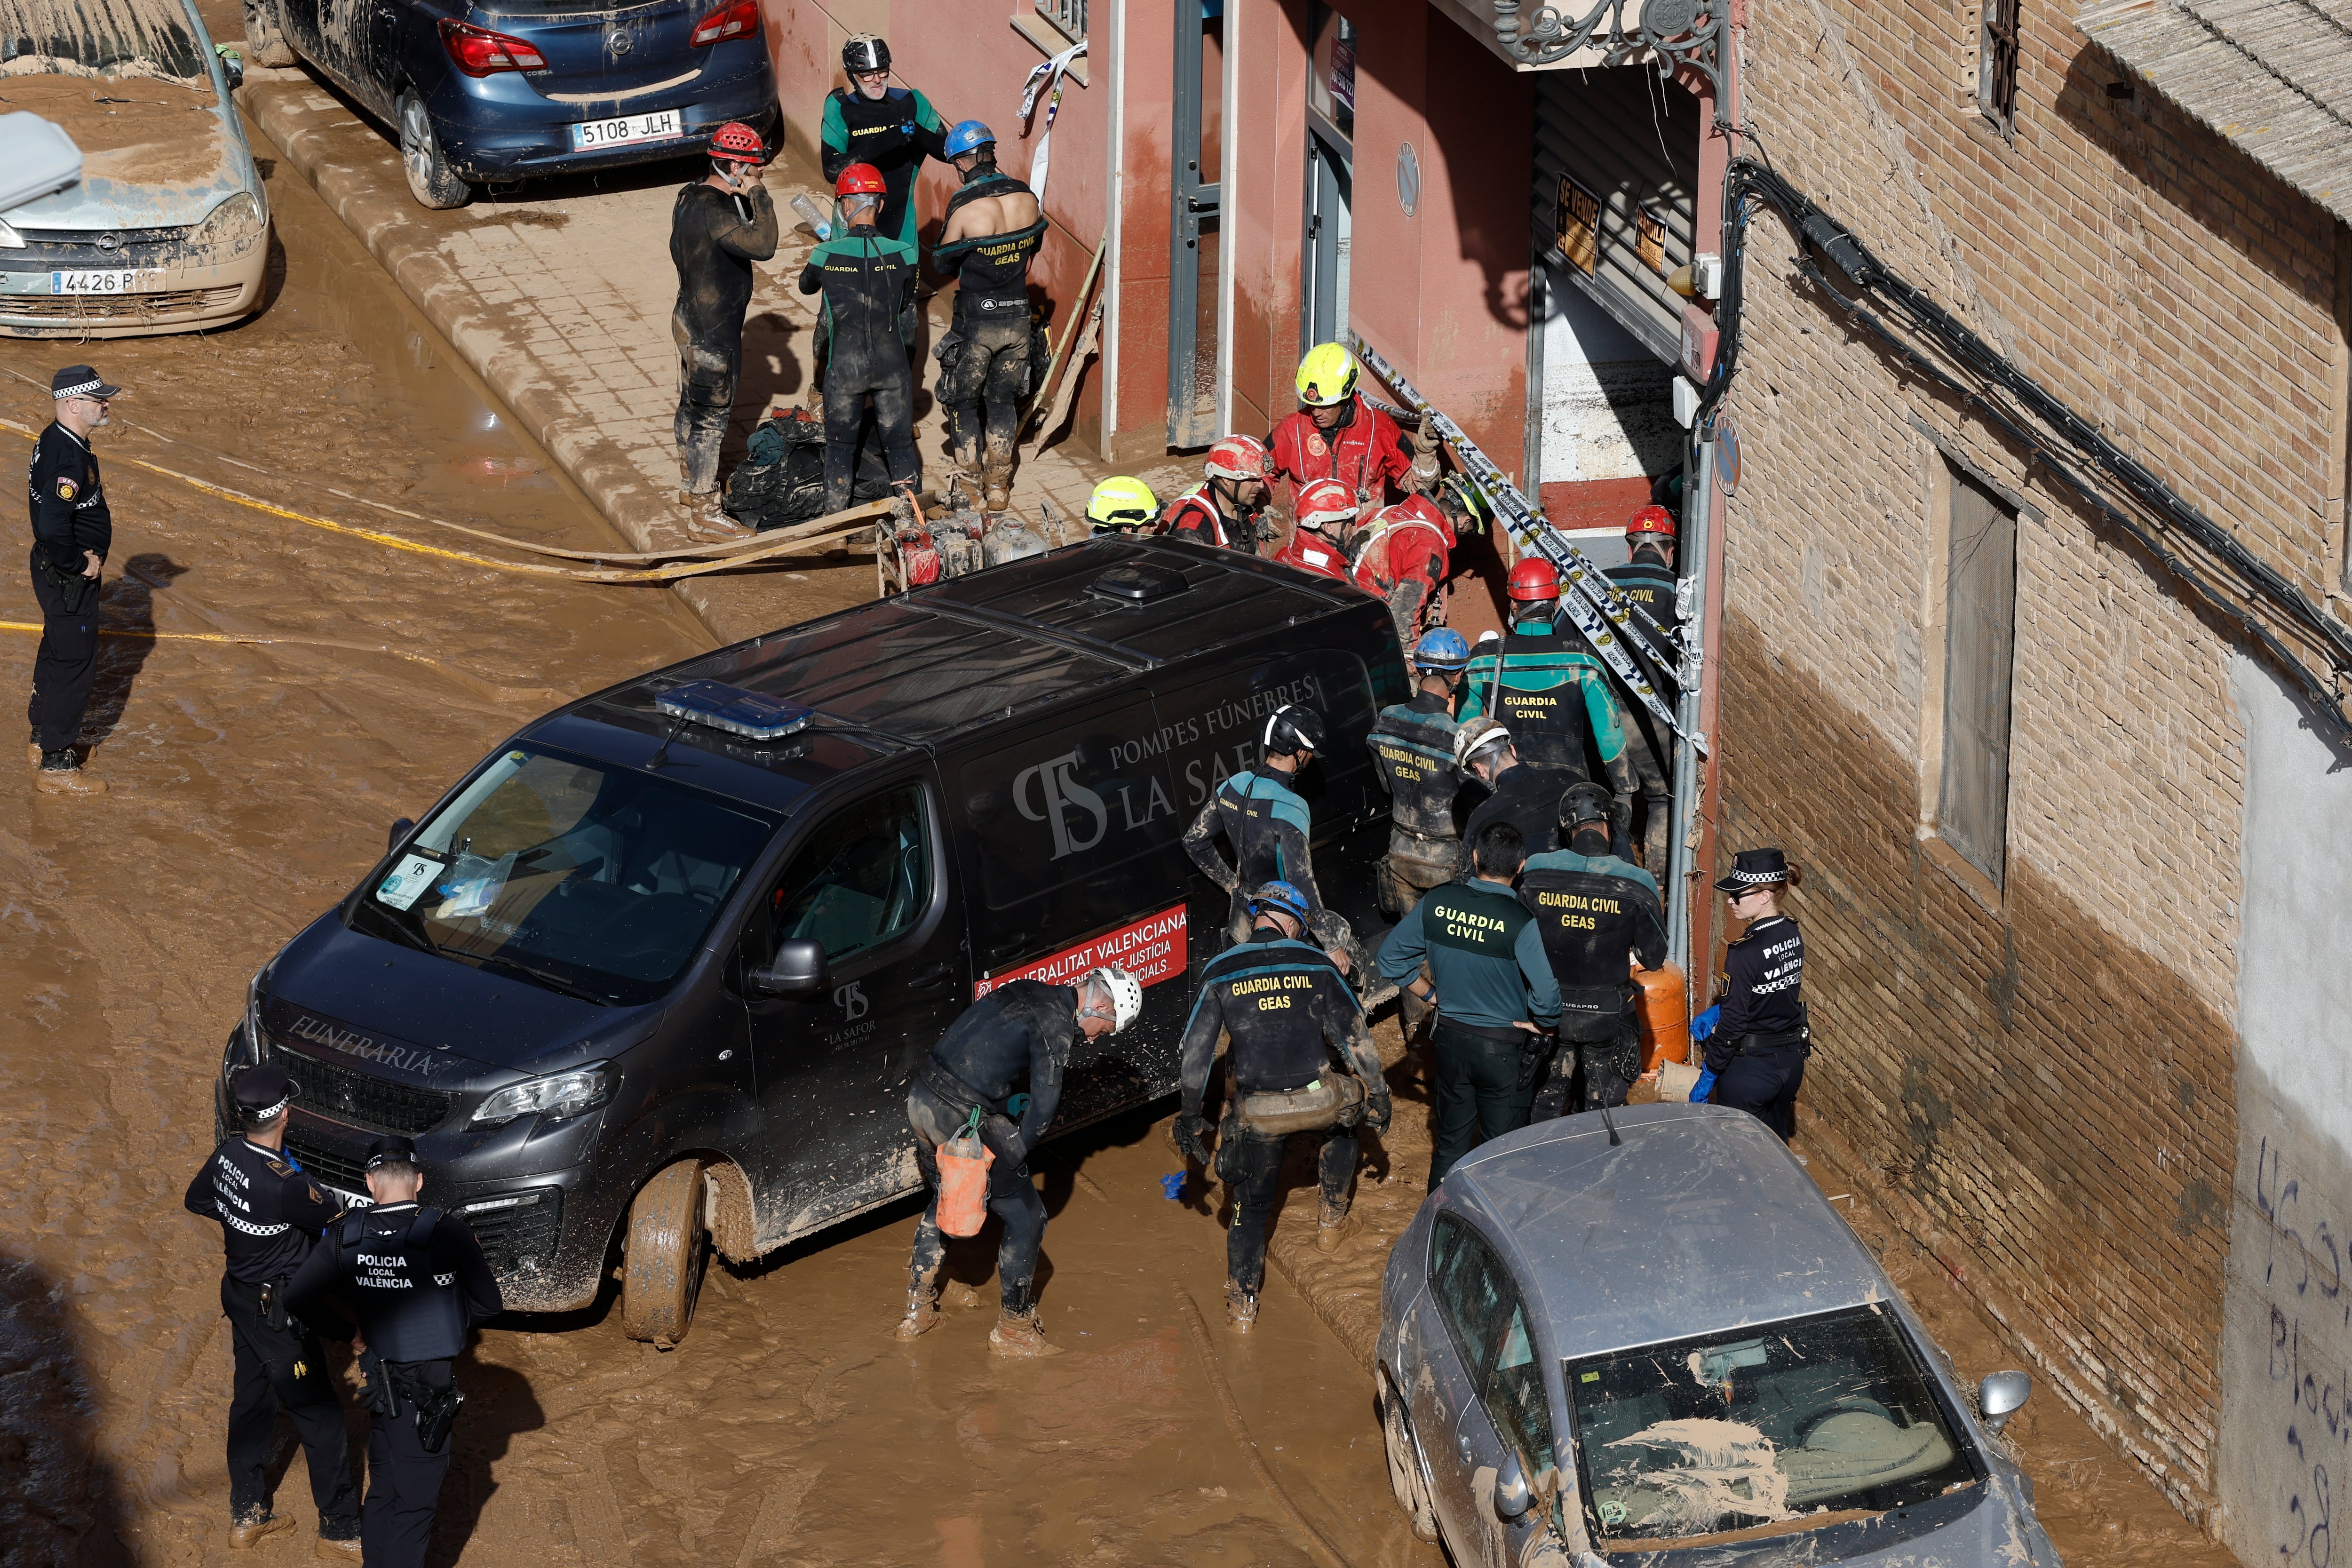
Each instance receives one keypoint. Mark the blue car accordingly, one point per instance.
(509, 90)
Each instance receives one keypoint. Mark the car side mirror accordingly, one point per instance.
(2003, 1395)
(232, 67)
(798, 970)
(400, 826)
(1512, 1496)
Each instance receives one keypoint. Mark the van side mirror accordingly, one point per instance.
(1512, 1496)
(2001, 1396)
(798, 970)
(400, 826)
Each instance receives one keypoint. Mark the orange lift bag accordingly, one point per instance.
(1665, 1016)
(964, 1161)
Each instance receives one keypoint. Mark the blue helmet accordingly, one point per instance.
(1282, 897)
(1441, 649)
(966, 136)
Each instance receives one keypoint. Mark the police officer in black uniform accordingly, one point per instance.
(1526, 795)
(1283, 1001)
(270, 1214)
(418, 1280)
(1594, 909)
(1264, 820)
(1647, 579)
(1756, 1055)
(72, 530)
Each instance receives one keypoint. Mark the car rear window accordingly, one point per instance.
(1760, 1425)
(108, 39)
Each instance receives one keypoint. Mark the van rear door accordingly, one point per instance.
(870, 878)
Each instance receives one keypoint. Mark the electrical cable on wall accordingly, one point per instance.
(1906, 318)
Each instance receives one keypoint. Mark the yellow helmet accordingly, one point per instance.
(1327, 375)
(1122, 505)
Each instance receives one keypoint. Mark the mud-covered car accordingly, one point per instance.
(1657, 1339)
(168, 228)
(663, 965)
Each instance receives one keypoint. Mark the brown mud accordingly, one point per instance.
(248, 787)
(168, 126)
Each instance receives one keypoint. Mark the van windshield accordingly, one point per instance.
(1760, 1425)
(595, 881)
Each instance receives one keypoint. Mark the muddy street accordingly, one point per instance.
(249, 781)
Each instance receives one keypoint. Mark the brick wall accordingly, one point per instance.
(2040, 1072)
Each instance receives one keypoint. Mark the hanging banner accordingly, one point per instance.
(1046, 77)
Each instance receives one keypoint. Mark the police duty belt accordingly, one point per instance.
(1598, 611)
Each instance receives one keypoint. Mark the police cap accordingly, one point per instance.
(262, 1090)
(385, 1150)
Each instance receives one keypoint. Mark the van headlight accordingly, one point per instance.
(234, 225)
(555, 1097)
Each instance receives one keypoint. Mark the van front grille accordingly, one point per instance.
(378, 1104)
(345, 1172)
(112, 307)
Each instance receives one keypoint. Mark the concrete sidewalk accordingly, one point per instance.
(560, 299)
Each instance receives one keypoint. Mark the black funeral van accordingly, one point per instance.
(655, 975)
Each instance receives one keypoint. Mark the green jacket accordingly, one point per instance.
(1485, 953)
(1536, 684)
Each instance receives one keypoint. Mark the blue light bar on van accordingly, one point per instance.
(734, 710)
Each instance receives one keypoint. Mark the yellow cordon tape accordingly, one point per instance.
(854, 520)
(473, 683)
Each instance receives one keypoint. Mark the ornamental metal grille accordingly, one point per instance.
(1070, 15)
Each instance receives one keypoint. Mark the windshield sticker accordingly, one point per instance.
(408, 880)
(1152, 949)
(474, 886)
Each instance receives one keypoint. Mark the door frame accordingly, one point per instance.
(1193, 201)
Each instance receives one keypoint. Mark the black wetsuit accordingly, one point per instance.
(1267, 825)
(1763, 1035)
(1015, 1039)
(985, 364)
(1291, 1017)
(69, 516)
(417, 1282)
(869, 283)
(714, 237)
(1594, 910)
(270, 1214)
(1527, 797)
(1651, 584)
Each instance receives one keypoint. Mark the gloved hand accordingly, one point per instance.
(1703, 1088)
(1187, 1133)
(1377, 1110)
(1704, 1024)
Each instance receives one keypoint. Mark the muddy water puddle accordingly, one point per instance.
(250, 783)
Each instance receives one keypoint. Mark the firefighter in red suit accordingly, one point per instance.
(1401, 559)
(1336, 435)
(1226, 508)
(1327, 513)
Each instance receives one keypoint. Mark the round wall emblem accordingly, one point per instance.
(1408, 178)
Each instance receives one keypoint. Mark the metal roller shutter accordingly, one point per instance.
(1627, 143)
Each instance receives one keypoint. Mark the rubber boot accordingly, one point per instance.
(252, 1526)
(339, 1548)
(996, 473)
(1331, 1226)
(61, 774)
(1241, 1308)
(922, 1310)
(1020, 1333)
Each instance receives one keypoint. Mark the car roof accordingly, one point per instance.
(915, 669)
(1698, 1219)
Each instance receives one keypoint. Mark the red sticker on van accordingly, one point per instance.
(1152, 949)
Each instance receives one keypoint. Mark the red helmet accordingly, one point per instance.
(1239, 457)
(1535, 579)
(860, 180)
(1326, 501)
(738, 142)
(1651, 519)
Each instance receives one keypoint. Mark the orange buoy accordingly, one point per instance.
(1664, 1006)
(964, 1161)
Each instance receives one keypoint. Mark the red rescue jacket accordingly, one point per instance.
(1407, 550)
(1195, 514)
(1365, 455)
(1309, 550)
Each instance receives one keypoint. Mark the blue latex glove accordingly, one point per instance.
(1704, 1024)
(1703, 1088)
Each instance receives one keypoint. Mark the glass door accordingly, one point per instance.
(1331, 178)
(1193, 286)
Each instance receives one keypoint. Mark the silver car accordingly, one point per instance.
(1663, 1337)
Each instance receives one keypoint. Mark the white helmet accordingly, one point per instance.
(1477, 736)
(1126, 994)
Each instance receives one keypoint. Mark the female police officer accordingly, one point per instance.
(1756, 1055)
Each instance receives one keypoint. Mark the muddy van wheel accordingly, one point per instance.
(430, 179)
(265, 34)
(668, 1249)
(1406, 1478)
